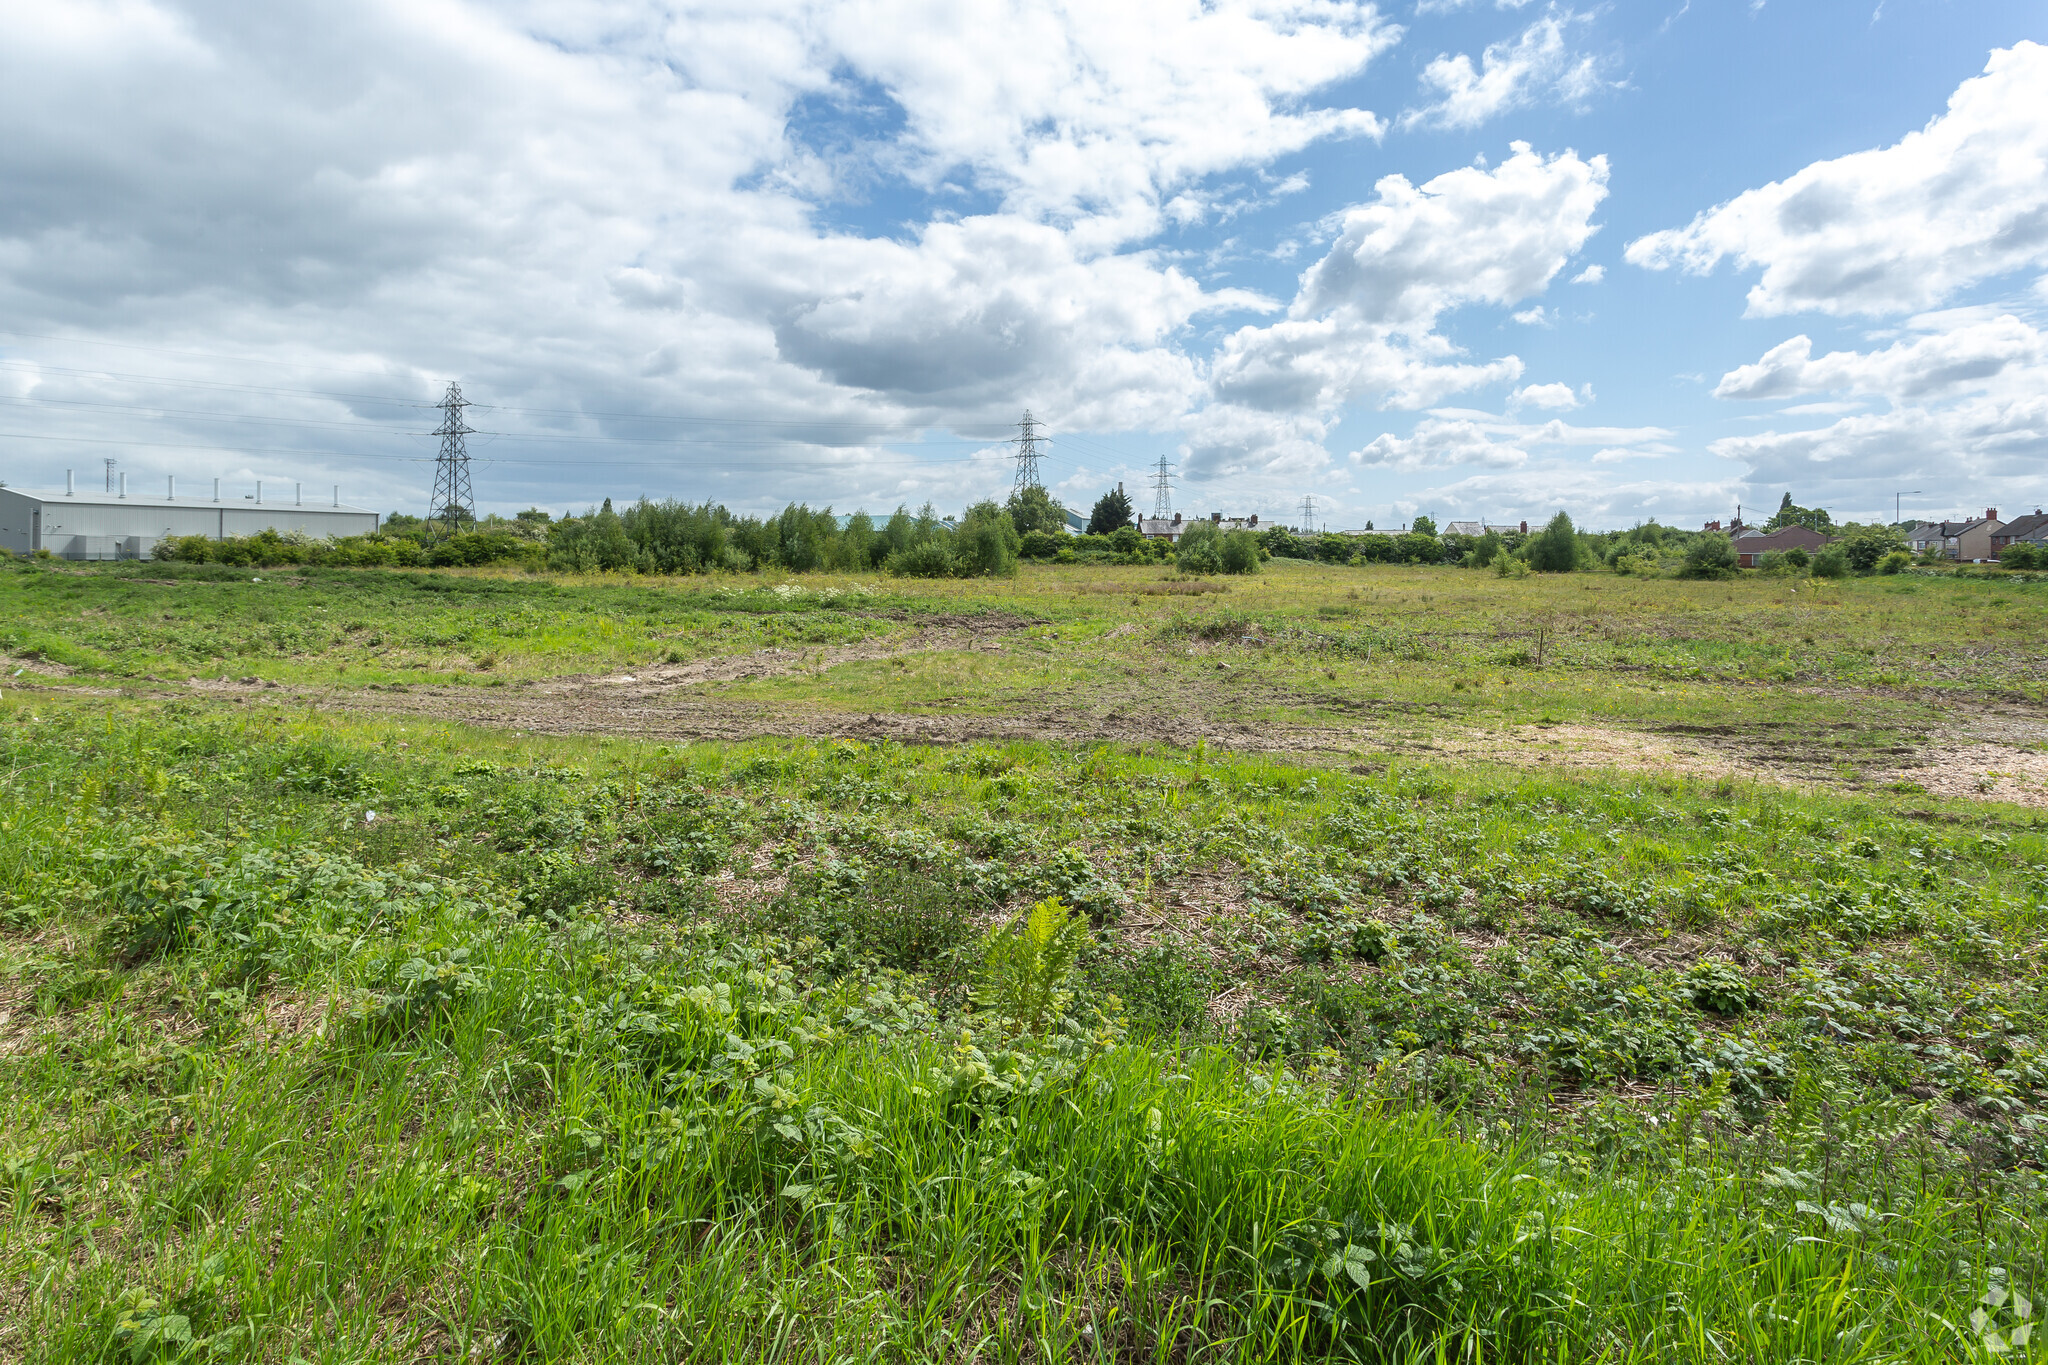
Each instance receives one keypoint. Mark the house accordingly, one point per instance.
(2033, 528)
(1476, 529)
(1159, 528)
(1752, 546)
(1970, 541)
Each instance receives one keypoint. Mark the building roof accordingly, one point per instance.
(2030, 527)
(1784, 538)
(57, 496)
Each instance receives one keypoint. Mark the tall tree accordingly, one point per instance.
(1034, 509)
(1111, 511)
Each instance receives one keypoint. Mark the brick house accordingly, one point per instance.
(1752, 546)
(2032, 527)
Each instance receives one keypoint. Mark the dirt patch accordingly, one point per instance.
(1984, 772)
(1586, 746)
(24, 664)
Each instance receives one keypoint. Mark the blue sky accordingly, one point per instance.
(1475, 259)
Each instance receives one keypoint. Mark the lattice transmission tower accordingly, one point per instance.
(1162, 490)
(1027, 442)
(453, 502)
(1308, 513)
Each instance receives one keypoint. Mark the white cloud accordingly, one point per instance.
(1452, 436)
(1537, 316)
(626, 207)
(1898, 228)
(1593, 496)
(1510, 75)
(1966, 407)
(1592, 274)
(1968, 356)
(1362, 324)
(1555, 397)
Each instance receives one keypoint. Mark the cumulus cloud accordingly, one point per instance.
(1362, 324)
(596, 212)
(1965, 403)
(1947, 361)
(1592, 274)
(1556, 397)
(1593, 496)
(1537, 64)
(1453, 436)
(1898, 228)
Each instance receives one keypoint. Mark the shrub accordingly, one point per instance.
(1797, 558)
(1894, 562)
(1507, 566)
(1126, 540)
(1040, 544)
(2022, 555)
(1832, 562)
(931, 559)
(1864, 546)
(986, 543)
(1711, 556)
(1200, 549)
(1241, 552)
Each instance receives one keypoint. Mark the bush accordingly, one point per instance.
(1864, 546)
(1797, 558)
(986, 543)
(931, 559)
(1895, 561)
(1507, 566)
(1127, 540)
(1832, 562)
(1200, 549)
(1711, 556)
(2022, 554)
(1241, 552)
(1040, 544)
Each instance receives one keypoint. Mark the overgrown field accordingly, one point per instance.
(347, 1036)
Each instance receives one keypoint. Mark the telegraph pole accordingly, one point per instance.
(1027, 443)
(453, 500)
(1162, 491)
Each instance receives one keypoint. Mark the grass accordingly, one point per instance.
(343, 1036)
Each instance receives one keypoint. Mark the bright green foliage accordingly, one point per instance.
(1711, 556)
(1033, 509)
(986, 544)
(1024, 977)
(1864, 546)
(1790, 514)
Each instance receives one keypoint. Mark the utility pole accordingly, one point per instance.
(1162, 491)
(1897, 498)
(1308, 515)
(453, 501)
(110, 462)
(1027, 443)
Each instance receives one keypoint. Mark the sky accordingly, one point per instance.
(1471, 258)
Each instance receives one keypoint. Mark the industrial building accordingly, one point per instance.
(115, 525)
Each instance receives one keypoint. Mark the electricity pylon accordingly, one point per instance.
(1027, 442)
(1162, 491)
(453, 502)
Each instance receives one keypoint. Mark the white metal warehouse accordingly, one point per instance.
(78, 525)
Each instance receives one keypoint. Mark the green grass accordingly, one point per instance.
(599, 1049)
(328, 1035)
